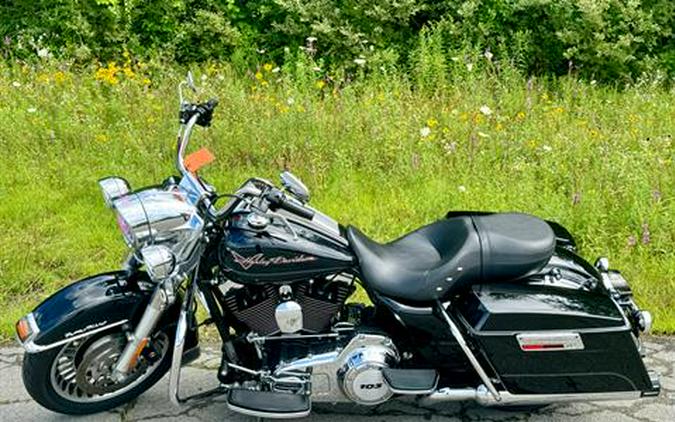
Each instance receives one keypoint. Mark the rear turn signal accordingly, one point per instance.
(23, 330)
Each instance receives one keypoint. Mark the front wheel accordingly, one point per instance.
(75, 379)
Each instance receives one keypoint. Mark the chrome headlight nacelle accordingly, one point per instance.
(162, 225)
(156, 216)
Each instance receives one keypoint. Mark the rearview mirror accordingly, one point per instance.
(292, 184)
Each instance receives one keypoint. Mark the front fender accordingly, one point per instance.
(94, 304)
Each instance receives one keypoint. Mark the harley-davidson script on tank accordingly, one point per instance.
(247, 262)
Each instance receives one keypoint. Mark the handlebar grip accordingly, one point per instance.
(212, 103)
(299, 210)
(278, 199)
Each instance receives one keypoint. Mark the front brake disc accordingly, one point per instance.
(94, 373)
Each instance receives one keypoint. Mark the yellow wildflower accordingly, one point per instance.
(128, 72)
(146, 81)
(60, 77)
(258, 76)
(43, 78)
(520, 115)
(268, 67)
(107, 74)
(320, 84)
(432, 123)
(101, 138)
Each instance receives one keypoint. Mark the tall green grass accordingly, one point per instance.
(376, 153)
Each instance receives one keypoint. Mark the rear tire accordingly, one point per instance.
(39, 381)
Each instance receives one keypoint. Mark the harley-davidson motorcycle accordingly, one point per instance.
(497, 308)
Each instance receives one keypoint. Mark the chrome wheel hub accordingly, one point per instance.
(82, 372)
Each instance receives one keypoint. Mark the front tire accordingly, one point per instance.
(57, 380)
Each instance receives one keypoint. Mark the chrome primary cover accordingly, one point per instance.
(352, 374)
(157, 216)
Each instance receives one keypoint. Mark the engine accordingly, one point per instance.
(343, 366)
(308, 306)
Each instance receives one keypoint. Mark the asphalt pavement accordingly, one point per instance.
(154, 405)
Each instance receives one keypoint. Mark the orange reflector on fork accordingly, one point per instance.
(137, 353)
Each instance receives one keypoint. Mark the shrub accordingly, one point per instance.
(607, 40)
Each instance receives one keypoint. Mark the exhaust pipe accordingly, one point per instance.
(482, 396)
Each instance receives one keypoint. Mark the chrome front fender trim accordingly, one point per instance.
(31, 347)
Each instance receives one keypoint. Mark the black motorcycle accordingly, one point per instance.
(492, 307)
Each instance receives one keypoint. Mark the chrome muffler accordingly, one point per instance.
(484, 397)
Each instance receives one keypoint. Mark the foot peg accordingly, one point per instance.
(268, 404)
(411, 381)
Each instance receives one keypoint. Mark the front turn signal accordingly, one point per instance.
(23, 330)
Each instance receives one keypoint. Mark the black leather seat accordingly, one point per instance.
(429, 262)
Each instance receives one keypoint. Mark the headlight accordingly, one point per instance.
(159, 261)
(113, 188)
(126, 230)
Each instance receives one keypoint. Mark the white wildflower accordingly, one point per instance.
(360, 61)
(276, 70)
(16, 84)
(43, 53)
(547, 148)
(461, 188)
(485, 110)
(32, 110)
(469, 67)
(425, 131)
(290, 101)
(488, 54)
(483, 135)
(311, 40)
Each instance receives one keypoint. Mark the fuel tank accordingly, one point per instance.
(280, 247)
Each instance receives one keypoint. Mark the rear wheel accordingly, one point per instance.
(76, 378)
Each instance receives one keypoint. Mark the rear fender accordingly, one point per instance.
(94, 304)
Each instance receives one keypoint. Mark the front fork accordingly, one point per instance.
(162, 298)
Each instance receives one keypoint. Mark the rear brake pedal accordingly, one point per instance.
(268, 404)
(411, 381)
